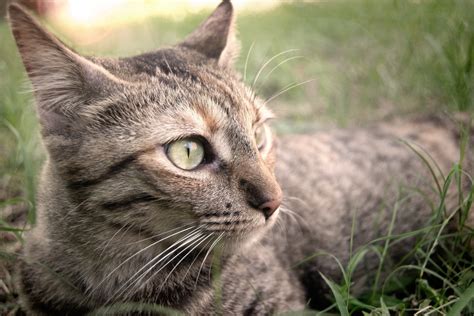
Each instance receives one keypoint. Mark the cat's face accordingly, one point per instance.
(159, 142)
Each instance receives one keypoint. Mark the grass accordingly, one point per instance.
(363, 61)
(431, 282)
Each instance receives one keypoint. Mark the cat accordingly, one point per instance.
(161, 169)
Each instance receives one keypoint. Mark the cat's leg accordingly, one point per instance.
(256, 283)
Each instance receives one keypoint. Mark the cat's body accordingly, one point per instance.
(119, 220)
(262, 277)
(358, 179)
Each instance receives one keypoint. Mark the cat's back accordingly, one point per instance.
(347, 163)
(332, 178)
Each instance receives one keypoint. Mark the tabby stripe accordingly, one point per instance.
(133, 229)
(139, 198)
(149, 180)
(112, 170)
(226, 222)
(225, 213)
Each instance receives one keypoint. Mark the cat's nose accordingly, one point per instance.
(267, 199)
(269, 207)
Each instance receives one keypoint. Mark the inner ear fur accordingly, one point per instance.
(63, 81)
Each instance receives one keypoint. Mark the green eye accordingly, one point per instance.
(260, 137)
(186, 153)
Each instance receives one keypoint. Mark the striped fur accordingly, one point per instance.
(118, 222)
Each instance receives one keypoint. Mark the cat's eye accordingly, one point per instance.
(261, 136)
(186, 154)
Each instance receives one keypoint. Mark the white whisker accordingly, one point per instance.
(190, 241)
(288, 211)
(197, 256)
(269, 61)
(131, 281)
(247, 61)
(135, 254)
(292, 86)
(294, 217)
(205, 257)
(297, 199)
(282, 228)
(189, 252)
(273, 69)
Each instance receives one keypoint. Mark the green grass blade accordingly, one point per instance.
(464, 299)
(341, 305)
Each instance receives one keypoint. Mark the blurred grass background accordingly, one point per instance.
(368, 61)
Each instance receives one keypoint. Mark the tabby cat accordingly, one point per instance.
(162, 166)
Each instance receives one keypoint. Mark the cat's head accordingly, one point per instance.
(156, 141)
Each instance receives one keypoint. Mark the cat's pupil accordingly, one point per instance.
(188, 148)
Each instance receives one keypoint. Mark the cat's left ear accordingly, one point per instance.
(215, 37)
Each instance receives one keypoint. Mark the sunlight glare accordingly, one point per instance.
(86, 11)
(95, 12)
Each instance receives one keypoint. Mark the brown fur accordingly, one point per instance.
(109, 195)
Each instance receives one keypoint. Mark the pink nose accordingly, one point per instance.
(265, 198)
(269, 207)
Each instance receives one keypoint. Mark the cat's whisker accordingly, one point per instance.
(283, 225)
(131, 279)
(287, 210)
(197, 256)
(163, 256)
(136, 254)
(269, 61)
(189, 242)
(286, 89)
(247, 61)
(275, 68)
(160, 259)
(205, 257)
(294, 198)
(197, 243)
(295, 217)
(280, 224)
(283, 229)
(145, 239)
(290, 215)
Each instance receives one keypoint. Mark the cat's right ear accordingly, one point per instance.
(63, 81)
(215, 37)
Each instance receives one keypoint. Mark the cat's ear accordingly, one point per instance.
(63, 81)
(215, 37)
